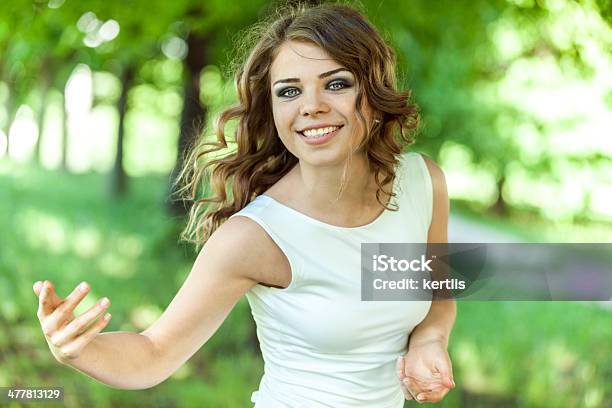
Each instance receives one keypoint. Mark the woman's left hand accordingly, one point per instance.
(425, 372)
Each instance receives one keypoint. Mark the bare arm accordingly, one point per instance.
(120, 360)
(216, 282)
(425, 371)
(439, 322)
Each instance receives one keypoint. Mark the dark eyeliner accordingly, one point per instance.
(346, 83)
(281, 92)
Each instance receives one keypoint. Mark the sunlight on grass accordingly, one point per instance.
(561, 358)
(475, 377)
(593, 397)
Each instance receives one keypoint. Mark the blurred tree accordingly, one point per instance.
(452, 56)
(209, 35)
(194, 112)
(119, 176)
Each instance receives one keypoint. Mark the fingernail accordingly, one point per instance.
(420, 397)
(104, 302)
(453, 381)
(83, 287)
(107, 316)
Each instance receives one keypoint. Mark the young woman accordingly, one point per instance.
(318, 169)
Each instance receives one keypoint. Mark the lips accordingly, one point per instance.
(318, 140)
(330, 128)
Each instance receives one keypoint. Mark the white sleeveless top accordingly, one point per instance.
(322, 346)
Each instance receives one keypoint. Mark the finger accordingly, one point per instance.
(48, 300)
(416, 382)
(76, 326)
(446, 374)
(37, 287)
(74, 299)
(432, 396)
(415, 389)
(399, 368)
(407, 394)
(75, 347)
(411, 388)
(63, 313)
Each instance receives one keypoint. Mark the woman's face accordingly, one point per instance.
(313, 104)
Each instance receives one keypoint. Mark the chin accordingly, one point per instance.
(323, 158)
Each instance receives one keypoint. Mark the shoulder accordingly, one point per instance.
(435, 173)
(247, 247)
(438, 181)
(438, 229)
(415, 161)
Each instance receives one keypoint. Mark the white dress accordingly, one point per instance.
(322, 346)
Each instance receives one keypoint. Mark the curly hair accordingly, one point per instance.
(260, 158)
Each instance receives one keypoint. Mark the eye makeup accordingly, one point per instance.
(336, 84)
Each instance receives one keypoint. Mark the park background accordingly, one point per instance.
(98, 99)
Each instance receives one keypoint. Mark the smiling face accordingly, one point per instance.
(313, 104)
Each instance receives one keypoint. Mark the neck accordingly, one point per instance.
(320, 186)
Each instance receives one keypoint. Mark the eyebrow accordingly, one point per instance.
(321, 76)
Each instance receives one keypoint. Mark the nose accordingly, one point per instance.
(313, 104)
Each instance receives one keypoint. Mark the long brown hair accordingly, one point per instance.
(260, 158)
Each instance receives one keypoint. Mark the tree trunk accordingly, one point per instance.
(500, 207)
(119, 178)
(192, 115)
(42, 109)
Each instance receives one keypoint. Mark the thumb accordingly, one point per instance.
(38, 287)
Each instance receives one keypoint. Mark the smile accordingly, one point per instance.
(321, 135)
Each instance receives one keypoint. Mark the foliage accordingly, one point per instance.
(515, 98)
(63, 228)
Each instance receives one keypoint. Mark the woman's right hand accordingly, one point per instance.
(66, 334)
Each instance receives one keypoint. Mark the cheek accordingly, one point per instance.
(367, 113)
(356, 124)
(282, 118)
(282, 121)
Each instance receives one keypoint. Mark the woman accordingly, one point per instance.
(318, 169)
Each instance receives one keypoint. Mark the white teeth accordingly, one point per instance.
(314, 133)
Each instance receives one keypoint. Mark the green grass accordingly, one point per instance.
(66, 228)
